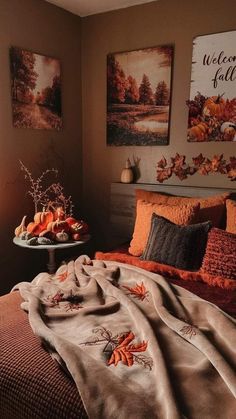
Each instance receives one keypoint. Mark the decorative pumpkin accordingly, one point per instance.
(199, 132)
(76, 227)
(228, 130)
(43, 217)
(59, 214)
(57, 226)
(35, 228)
(71, 220)
(76, 236)
(21, 228)
(62, 237)
(214, 106)
(127, 175)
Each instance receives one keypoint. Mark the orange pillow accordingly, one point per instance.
(211, 208)
(231, 216)
(178, 214)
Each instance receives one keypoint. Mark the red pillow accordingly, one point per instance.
(220, 255)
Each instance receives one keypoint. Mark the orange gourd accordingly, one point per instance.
(199, 132)
(35, 228)
(214, 106)
(59, 214)
(57, 226)
(43, 217)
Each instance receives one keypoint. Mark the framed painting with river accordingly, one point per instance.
(138, 96)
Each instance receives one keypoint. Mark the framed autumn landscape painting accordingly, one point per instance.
(138, 96)
(35, 90)
(212, 102)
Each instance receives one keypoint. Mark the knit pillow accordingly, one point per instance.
(219, 259)
(231, 216)
(211, 208)
(180, 246)
(179, 214)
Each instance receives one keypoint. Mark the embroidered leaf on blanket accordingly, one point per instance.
(189, 331)
(72, 301)
(124, 352)
(62, 277)
(120, 348)
(54, 300)
(139, 291)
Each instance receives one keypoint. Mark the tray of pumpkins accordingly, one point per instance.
(51, 227)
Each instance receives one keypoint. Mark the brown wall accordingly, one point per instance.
(162, 22)
(45, 29)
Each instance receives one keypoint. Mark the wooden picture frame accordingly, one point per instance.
(212, 103)
(139, 96)
(35, 90)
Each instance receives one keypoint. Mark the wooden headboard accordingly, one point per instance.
(122, 204)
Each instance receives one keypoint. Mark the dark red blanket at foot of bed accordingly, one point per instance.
(31, 383)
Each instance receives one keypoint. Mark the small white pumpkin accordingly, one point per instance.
(228, 130)
(62, 237)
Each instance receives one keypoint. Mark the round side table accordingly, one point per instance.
(51, 248)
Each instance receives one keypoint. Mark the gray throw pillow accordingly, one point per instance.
(180, 246)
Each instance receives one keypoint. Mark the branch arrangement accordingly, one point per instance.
(200, 164)
(44, 195)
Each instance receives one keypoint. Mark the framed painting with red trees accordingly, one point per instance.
(212, 103)
(138, 96)
(35, 90)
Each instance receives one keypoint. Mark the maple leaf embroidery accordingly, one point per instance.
(73, 301)
(62, 277)
(139, 291)
(119, 348)
(124, 352)
(54, 300)
(188, 331)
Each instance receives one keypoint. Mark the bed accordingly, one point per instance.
(120, 336)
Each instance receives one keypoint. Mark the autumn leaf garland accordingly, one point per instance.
(201, 165)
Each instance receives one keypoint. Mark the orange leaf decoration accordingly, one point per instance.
(216, 162)
(124, 352)
(162, 163)
(164, 174)
(232, 174)
(197, 161)
(178, 160)
(139, 291)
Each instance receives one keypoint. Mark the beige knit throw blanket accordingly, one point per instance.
(136, 346)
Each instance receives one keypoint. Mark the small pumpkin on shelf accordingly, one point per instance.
(127, 175)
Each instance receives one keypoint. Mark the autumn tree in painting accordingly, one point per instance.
(132, 91)
(116, 82)
(145, 91)
(162, 94)
(22, 74)
(138, 96)
(36, 90)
